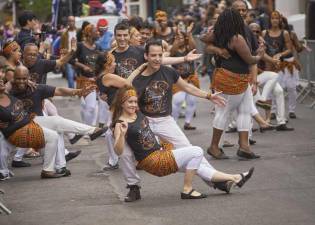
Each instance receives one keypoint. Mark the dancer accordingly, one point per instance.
(232, 79)
(279, 47)
(132, 127)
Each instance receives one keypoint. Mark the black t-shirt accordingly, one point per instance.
(38, 72)
(140, 138)
(109, 91)
(13, 117)
(184, 69)
(87, 57)
(155, 92)
(33, 100)
(128, 61)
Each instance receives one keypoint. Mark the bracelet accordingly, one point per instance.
(209, 96)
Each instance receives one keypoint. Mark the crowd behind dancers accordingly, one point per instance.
(133, 84)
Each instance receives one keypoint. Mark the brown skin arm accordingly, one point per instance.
(113, 80)
(296, 43)
(61, 91)
(239, 44)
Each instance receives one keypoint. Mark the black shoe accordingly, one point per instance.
(63, 171)
(190, 196)
(4, 177)
(75, 139)
(245, 178)
(251, 141)
(283, 127)
(98, 133)
(72, 155)
(292, 115)
(20, 164)
(247, 155)
(223, 186)
(187, 126)
(227, 144)
(264, 104)
(109, 167)
(273, 116)
(48, 175)
(263, 129)
(231, 130)
(221, 155)
(133, 194)
(254, 130)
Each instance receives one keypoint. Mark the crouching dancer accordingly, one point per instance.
(132, 127)
(22, 130)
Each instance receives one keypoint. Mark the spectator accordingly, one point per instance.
(28, 22)
(104, 43)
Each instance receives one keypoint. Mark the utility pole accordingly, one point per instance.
(14, 12)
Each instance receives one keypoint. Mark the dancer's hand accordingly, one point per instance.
(222, 52)
(218, 100)
(104, 97)
(32, 85)
(122, 127)
(192, 56)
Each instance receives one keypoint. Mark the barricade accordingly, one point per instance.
(307, 75)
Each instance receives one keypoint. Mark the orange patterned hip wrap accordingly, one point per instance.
(86, 84)
(192, 79)
(290, 65)
(228, 82)
(29, 136)
(159, 163)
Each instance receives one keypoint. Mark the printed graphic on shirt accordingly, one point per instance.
(91, 60)
(155, 97)
(18, 114)
(126, 66)
(27, 104)
(35, 77)
(146, 136)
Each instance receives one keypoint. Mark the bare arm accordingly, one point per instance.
(191, 89)
(239, 44)
(191, 56)
(136, 72)
(113, 80)
(119, 135)
(61, 91)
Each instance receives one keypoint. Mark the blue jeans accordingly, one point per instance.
(70, 74)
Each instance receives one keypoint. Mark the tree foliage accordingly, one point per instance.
(41, 8)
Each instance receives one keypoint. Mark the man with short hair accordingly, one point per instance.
(28, 22)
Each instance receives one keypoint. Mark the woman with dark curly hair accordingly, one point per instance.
(231, 77)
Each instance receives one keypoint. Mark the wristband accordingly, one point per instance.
(209, 96)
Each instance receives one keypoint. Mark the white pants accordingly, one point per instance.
(268, 80)
(103, 109)
(5, 148)
(167, 129)
(50, 150)
(192, 158)
(242, 103)
(164, 127)
(289, 82)
(88, 108)
(178, 100)
(62, 125)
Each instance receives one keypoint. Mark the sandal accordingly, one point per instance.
(245, 178)
(190, 196)
(32, 154)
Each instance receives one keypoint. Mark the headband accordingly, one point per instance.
(10, 48)
(128, 94)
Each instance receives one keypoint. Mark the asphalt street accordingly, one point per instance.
(281, 191)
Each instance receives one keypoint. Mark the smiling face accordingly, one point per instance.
(122, 38)
(241, 8)
(130, 106)
(20, 78)
(275, 19)
(154, 56)
(30, 55)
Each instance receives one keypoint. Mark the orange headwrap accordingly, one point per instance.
(110, 58)
(128, 94)
(10, 48)
(160, 15)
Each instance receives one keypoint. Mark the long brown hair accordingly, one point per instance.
(116, 106)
